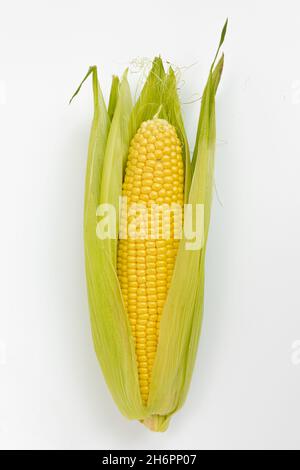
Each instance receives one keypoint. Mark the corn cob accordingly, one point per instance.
(146, 295)
(154, 175)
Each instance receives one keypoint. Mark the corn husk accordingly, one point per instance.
(112, 129)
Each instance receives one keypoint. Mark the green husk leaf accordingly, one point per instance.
(110, 327)
(216, 75)
(182, 315)
(115, 158)
(174, 115)
(97, 144)
(113, 97)
(92, 70)
(111, 332)
(150, 98)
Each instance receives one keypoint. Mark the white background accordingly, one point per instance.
(246, 387)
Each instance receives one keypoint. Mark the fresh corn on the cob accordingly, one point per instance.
(146, 292)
